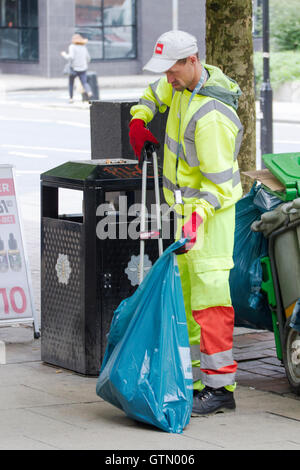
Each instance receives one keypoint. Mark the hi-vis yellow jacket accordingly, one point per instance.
(204, 166)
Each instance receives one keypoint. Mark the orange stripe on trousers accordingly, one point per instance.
(216, 328)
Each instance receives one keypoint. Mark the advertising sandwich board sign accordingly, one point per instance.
(16, 299)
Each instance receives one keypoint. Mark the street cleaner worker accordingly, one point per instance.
(201, 181)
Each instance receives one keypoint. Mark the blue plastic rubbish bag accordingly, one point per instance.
(146, 370)
(250, 304)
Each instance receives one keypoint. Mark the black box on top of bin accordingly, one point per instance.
(84, 278)
(110, 130)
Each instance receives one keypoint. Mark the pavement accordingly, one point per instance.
(46, 407)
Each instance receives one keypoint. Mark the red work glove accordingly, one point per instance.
(190, 228)
(139, 136)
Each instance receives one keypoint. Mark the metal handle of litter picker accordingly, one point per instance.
(150, 153)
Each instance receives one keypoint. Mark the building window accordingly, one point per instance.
(110, 27)
(19, 30)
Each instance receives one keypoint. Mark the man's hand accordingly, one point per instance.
(190, 229)
(139, 135)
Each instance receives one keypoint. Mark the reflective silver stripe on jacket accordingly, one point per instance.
(192, 193)
(173, 145)
(195, 193)
(153, 87)
(150, 104)
(224, 177)
(189, 135)
(219, 178)
(236, 178)
(168, 184)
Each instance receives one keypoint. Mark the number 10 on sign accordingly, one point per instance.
(12, 300)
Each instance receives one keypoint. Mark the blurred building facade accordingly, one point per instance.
(120, 33)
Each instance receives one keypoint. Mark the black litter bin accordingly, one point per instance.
(84, 277)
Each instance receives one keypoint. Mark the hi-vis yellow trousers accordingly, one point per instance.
(210, 316)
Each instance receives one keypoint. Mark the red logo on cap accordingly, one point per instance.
(159, 48)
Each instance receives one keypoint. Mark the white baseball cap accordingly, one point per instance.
(169, 48)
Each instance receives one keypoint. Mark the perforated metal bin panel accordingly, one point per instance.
(62, 298)
(75, 321)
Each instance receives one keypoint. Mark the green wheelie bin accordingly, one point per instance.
(281, 268)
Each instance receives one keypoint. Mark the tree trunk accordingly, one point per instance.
(229, 46)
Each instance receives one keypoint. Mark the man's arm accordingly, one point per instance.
(156, 97)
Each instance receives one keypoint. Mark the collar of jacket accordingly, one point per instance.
(221, 87)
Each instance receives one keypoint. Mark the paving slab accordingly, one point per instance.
(45, 407)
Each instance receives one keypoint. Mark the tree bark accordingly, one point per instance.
(229, 46)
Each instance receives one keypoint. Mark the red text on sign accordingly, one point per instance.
(16, 299)
(7, 187)
(7, 219)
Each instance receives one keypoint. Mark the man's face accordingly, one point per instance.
(182, 75)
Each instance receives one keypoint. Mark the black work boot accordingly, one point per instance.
(212, 400)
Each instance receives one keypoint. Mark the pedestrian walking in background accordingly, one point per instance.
(78, 59)
(201, 181)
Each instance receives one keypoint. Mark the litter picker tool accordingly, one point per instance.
(149, 154)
